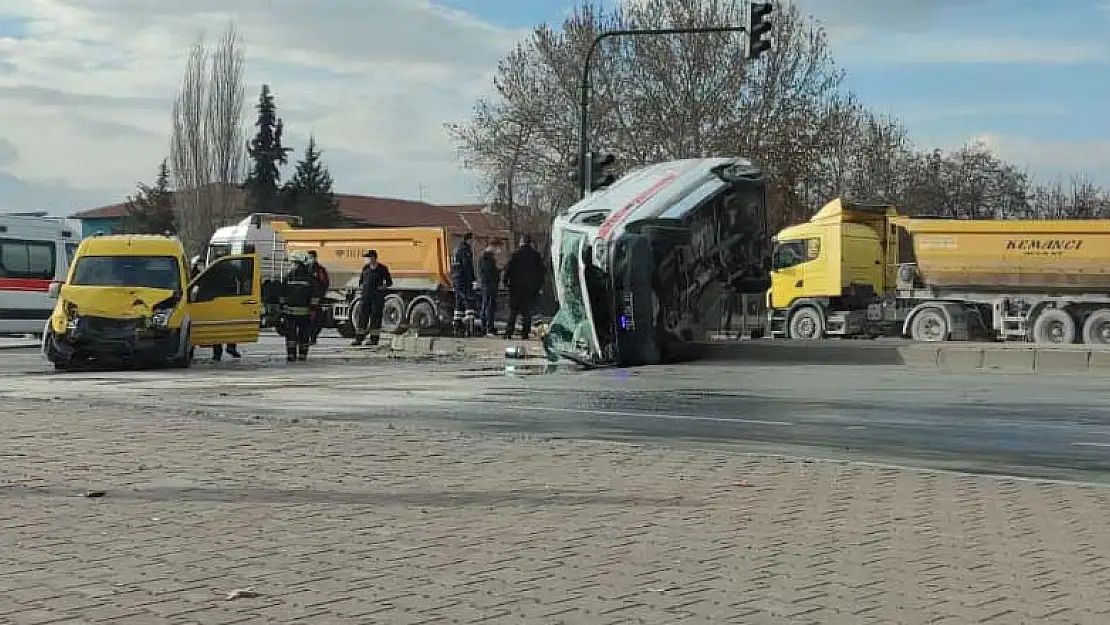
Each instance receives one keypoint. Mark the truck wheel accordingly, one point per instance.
(422, 316)
(1054, 326)
(807, 324)
(1096, 330)
(930, 326)
(393, 313)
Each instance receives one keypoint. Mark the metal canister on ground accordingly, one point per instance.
(515, 352)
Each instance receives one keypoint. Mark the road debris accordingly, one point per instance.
(243, 593)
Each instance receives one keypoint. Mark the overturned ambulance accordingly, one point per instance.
(642, 268)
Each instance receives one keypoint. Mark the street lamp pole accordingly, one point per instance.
(584, 86)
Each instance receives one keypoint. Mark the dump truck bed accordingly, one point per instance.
(1003, 255)
(415, 256)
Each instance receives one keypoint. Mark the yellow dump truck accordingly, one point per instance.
(865, 270)
(418, 259)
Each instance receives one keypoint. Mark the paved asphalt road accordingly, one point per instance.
(1037, 426)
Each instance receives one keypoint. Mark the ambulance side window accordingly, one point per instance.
(30, 260)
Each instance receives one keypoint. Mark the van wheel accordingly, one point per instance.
(807, 324)
(930, 326)
(184, 360)
(1054, 326)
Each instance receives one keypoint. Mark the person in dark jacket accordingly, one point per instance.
(197, 267)
(323, 283)
(374, 285)
(299, 292)
(462, 280)
(524, 276)
(489, 278)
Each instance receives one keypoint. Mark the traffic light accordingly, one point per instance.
(599, 177)
(759, 27)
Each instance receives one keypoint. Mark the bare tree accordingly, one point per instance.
(662, 97)
(1073, 198)
(665, 97)
(208, 134)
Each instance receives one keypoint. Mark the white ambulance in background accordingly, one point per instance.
(35, 250)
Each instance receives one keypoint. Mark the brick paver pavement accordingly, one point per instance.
(335, 523)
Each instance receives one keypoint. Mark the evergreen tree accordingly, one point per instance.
(309, 193)
(150, 211)
(267, 155)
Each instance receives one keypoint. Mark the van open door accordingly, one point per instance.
(225, 302)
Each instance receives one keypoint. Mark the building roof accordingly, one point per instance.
(382, 212)
(104, 212)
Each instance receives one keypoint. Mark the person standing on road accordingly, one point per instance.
(299, 291)
(374, 284)
(524, 276)
(323, 283)
(196, 268)
(462, 279)
(489, 278)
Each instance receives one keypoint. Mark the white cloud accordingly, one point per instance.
(1053, 158)
(84, 97)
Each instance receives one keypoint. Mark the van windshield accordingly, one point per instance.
(152, 272)
(571, 331)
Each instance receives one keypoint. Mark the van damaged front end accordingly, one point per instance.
(642, 268)
(113, 328)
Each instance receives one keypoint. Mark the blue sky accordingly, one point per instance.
(86, 87)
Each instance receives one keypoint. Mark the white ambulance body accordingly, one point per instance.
(35, 250)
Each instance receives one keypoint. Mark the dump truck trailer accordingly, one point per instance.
(643, 267)
(865, 270)
(418, 259)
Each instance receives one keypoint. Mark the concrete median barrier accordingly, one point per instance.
(945, 357)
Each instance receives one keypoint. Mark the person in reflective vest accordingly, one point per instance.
(462, 281)
(299, 296)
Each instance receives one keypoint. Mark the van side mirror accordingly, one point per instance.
(194, 293)
(55, 290)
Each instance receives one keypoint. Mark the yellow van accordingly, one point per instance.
(128, 300)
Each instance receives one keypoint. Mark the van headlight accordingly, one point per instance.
(161, 318)
(72, 318)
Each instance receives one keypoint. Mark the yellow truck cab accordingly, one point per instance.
(127, 299)
(865, 270)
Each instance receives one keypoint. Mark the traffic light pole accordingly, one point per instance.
(584, 87)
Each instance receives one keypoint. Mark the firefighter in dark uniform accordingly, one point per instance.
(323, 283)
(299, 296)
(374, 284)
